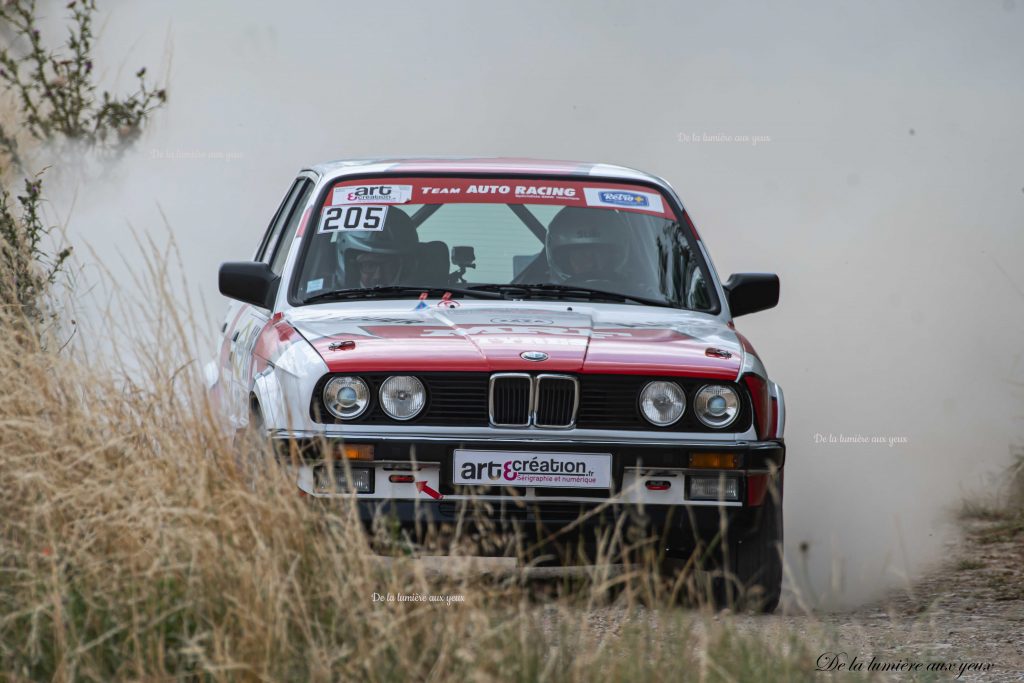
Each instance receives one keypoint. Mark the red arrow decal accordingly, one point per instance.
(424, 487)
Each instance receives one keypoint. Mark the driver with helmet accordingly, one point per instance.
(378, 258)
(585, 244)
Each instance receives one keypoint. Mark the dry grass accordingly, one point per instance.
(132, 546)
(1002, 517)
(9, 125)
(1016, 478)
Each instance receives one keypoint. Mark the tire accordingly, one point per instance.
(752, 563)
(250, 448)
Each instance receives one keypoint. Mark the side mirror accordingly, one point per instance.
(249, 282)
(751, 292)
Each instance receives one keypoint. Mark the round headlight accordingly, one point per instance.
(662, 403)
(716, 405)
(402, 397)
(346, 397)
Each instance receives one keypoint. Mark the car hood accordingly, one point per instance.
(485, 337)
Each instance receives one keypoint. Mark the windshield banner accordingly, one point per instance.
(440, 190)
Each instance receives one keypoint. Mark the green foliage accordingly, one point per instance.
(51, 99)
(55, 90)
(27, 269)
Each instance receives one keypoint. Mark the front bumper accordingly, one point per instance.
(568, 533)
(424, 499)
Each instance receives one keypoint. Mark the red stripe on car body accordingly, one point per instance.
(758, 388)
(612, 351)
(275, 337)
(757, 487)
(304, 222)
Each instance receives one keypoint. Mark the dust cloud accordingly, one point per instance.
(869, 153)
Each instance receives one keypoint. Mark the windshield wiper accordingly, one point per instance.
(569, 291)
(395, 292)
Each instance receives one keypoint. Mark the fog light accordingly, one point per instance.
(714, 488)
(359, 480)
(658, 485)
(401, 478)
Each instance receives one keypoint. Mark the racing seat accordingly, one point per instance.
(433, 264)
(325, 266)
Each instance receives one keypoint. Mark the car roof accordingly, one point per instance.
(488, 165)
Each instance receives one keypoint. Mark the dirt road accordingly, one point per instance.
(969, 611)
(967, 616)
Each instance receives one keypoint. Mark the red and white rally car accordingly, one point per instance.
(546, 337)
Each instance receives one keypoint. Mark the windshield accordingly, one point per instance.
(470, 232)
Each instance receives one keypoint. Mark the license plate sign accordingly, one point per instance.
(515, 468)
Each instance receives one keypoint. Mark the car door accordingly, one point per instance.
(244, 322)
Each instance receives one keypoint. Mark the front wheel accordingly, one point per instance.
(752, 562)
(251, 448)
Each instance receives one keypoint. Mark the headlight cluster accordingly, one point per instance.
(663, 403)
(346, 397)
(402, 397)
(716, 405)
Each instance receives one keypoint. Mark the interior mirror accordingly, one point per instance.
(250, 282)
(751, 292)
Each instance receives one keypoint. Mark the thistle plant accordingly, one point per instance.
(54, 91)
(51, 99)
(27, 268)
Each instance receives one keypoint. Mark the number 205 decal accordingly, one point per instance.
(353, 217)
